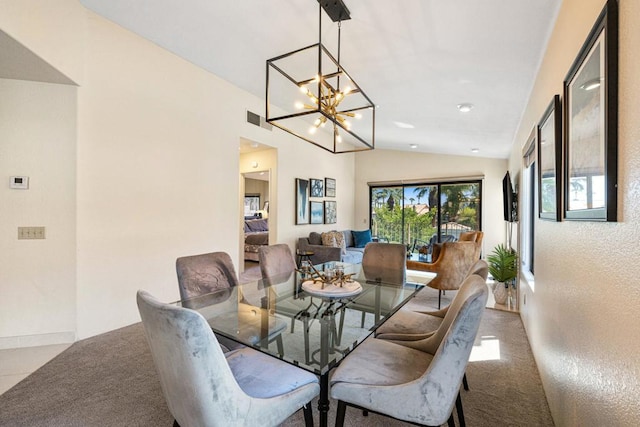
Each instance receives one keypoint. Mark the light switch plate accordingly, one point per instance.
(19, 182)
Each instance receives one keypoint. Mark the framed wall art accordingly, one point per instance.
(302, 201)
(591, 124)
(330, 212)
(317, 187)
(330, 187)
(550, 162)
(317, 212)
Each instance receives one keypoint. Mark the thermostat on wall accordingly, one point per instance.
(20, 182)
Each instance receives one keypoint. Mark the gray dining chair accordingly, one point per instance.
(205, 273)
(410, 324)
(205, 387)
(385, 263)
(202, 274)
(277, 264)
(414, 381)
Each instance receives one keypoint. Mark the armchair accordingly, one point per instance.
(451, 265)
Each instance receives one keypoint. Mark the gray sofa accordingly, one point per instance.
(327, 253)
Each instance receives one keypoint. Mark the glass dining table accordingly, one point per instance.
(317, 326)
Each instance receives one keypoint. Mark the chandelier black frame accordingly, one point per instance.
(329, 100)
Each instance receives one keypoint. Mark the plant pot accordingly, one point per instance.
(500, 293)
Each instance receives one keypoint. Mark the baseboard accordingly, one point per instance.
(20, 341)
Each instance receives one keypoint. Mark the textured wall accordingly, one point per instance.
(581, 315)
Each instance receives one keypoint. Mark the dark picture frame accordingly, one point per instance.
(302, 201)
(330, 187)
(330, 212)
(591, 124)
(316, 210)
(251, 203)
(316, 187)
(550, 162)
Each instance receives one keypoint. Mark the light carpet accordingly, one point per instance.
(110, 380)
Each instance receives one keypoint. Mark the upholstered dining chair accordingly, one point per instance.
(414, 324)
(277, 263)
(454, 261)
(381, 262)
(205, 273)
(423, 375)
(205, 387)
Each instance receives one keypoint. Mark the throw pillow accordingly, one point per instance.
(334, 239)
(361, 238)
(315, 238)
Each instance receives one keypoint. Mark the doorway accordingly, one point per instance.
(257, 202)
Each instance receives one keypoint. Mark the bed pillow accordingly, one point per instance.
(361, 238)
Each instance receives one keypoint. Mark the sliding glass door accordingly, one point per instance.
(419, 215)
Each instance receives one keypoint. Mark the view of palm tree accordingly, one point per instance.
(414, 214)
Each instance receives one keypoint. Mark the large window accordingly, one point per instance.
(419, 215)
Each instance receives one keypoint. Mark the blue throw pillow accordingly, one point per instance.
(361, 238)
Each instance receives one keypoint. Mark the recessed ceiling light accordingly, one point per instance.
(254, 144)
(475, 150)
(413, 145)
(402, 125)
(465, 108)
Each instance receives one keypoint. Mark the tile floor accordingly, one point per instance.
(18, 363)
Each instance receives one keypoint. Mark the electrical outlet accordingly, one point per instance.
(29, 233)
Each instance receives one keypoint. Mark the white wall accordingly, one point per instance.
(582, 319)
(388, 165)
(157, 159)
(37, 277)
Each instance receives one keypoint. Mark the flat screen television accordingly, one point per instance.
(509, 199)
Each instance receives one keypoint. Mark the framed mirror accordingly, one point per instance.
(550, 162)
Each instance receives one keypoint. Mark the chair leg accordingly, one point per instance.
(439, 296)
(280, 345)
(450, 422)
(459, 410)
(464, 382)
(308, 415)
(342, 409)
(175, 423)
(364, 313)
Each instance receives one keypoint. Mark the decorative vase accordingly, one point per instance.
(500, 292)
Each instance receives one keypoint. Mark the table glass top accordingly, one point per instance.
(314, 332)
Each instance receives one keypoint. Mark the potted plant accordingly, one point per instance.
(503, 267)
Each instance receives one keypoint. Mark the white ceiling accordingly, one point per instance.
(416, 59)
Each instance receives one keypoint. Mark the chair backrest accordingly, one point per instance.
(196, 380)
(471, 236)
(385, 262)
(275, 260)
(441, 382)
(205, 273)
(480, 268)
(452, 266)
(474, 286)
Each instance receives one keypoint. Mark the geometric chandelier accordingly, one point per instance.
(310, 95)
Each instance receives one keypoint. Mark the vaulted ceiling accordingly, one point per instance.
(416, 59)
